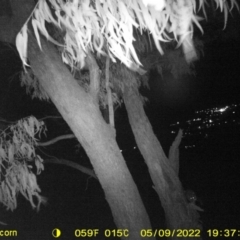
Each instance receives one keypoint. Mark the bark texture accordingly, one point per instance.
(80, 111)
(166, 182)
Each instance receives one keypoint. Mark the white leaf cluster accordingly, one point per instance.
(17, 156)
(158, 5)
(108, 24)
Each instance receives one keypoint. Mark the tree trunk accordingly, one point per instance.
(82, 114)
(166, 182)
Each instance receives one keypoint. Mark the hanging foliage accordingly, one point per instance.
(89, 24)
(17, 161)
(33, 86)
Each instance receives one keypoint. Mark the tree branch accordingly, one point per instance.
(54, 140)
(109, 94)
(173, 155)
(94, 73)
(73, 165)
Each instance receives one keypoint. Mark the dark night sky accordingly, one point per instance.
(211, 169)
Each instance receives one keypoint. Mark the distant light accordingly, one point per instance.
(222, 109)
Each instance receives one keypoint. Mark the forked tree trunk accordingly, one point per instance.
(82, 114)
(165, 180)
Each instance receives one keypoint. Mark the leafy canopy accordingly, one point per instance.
(17, 161)
(106, 26)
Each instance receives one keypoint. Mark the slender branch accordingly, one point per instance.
(173, 155)
(109, 94)
(51, 117)
(94, 73)
(73, 165)
(54, 140)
